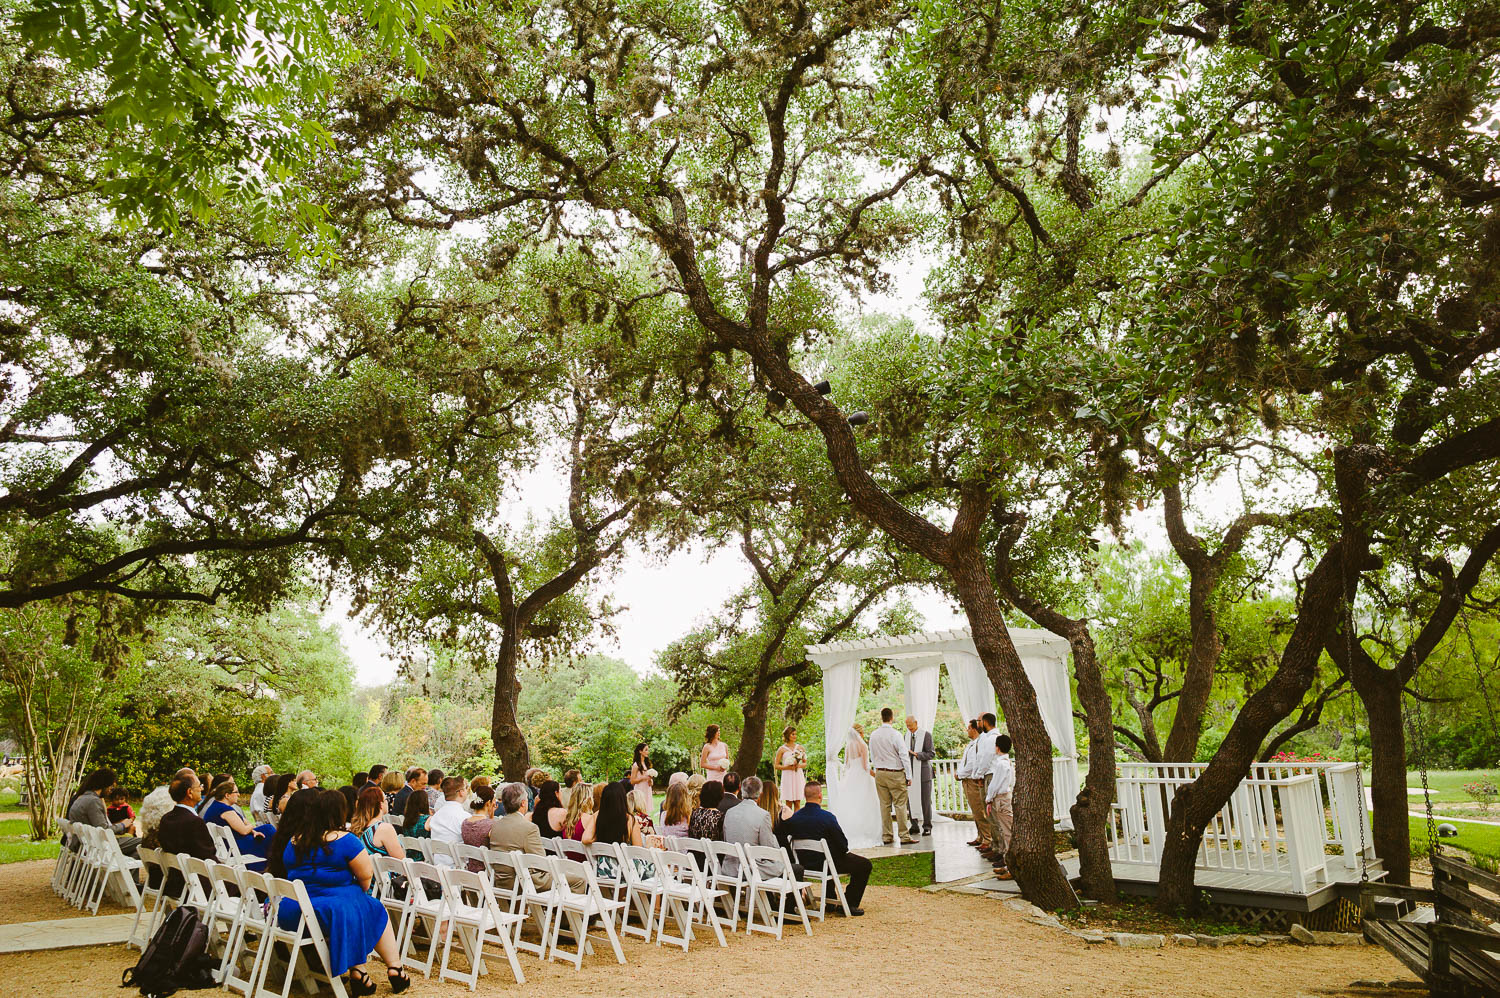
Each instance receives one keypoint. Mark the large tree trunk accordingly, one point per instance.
(1195, 804)
(1382, 699)
(1031, 856)
(1198, 679)
(505, 726)
(1091, 812)
(753, 738)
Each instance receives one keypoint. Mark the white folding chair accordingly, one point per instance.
(685, 892)
(778, 881)
(67, 857)
(85, 869)
(570, 849)
(150, 861)
(467, 854)
(167, 900)
(435, 851)
(581, 908)
(644, 888)
(410, 845)
(396, 902)
(478, 921)
(730, 878)
(613, 884)
(225, 902)
(540, 904)
(306, 933)
(109, 864)
(247, 937)
(424, 910)
(226, 846)
(827, 877)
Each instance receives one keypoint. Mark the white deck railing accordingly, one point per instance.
(948, 792)
(1276, 825)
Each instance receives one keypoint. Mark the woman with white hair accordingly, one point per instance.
(259, 812)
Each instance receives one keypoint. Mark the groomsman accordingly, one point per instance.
(1002, 785)
(972, 774)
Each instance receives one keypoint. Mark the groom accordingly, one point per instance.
(919, 755)
(888, 760)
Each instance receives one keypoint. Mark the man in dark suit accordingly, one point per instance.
(812, 822)
(181, 830)
(731, 792)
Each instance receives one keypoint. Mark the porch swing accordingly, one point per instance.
(1451, 945)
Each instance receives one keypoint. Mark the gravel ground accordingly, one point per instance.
(909, 943)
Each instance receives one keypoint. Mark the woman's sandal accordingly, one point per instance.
(399, 981)
(360, 984)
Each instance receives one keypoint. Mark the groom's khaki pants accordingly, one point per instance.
(890, 786)
(974, 795)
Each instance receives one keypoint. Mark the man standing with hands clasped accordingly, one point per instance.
(919, 754)
(888, 759)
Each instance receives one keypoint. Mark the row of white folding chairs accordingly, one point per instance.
(239, 909)
(515, 894)
(88, 862)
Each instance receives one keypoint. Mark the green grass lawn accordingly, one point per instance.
(1447, 785)
(906, 870)
(1480, 841)
(16, 845)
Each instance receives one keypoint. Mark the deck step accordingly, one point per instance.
(1392, 908)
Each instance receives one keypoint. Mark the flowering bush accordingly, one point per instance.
(1483, 792)
(1291, 757)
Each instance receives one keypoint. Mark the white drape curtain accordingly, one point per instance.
(971, 684)
(922, 695)
(1049, 677)
(840, 701)
(921, 703)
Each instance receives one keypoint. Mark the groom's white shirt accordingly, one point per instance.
(887, 749)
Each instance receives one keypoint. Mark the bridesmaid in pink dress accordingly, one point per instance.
(714, 757)
(790, 765)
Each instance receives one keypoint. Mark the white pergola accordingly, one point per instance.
(918, 657)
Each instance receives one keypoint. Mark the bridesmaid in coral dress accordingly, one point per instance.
(713, 759)
(790, 761)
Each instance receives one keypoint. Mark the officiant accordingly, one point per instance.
(919, 755)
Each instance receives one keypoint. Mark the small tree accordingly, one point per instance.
(62, 668)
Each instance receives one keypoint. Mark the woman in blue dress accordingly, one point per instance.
(337, 873)
(223, 809)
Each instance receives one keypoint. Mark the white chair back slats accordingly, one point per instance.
(580, 907)
(440, 853)
(426, 911)
(686, 894)
(392, 886)
(570, 849)
(468, 856)
(827, 876)
(413, 847)
(771, 873)
(477, 921)
(611, 883)
(66, 858)
(247, 938)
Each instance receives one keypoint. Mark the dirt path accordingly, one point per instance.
(910, 943)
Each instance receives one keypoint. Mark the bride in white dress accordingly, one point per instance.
(855, 801)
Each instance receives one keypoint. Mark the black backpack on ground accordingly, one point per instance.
(175, 960)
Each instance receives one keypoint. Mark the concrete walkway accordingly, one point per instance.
(65, 933)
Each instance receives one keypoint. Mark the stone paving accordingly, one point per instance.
(65, 933)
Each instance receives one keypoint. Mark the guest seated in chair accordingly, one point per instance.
(337, 872)
(812, 822)
(88, 809)
(707, 821)
(376, 834)
(223, 809)
(181, 830)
